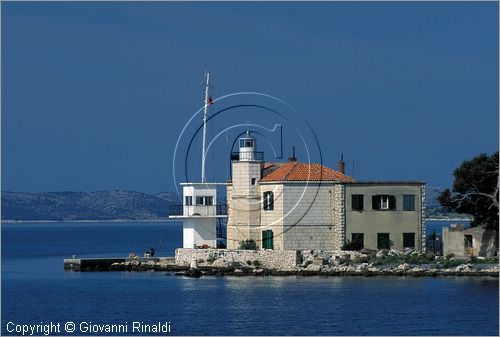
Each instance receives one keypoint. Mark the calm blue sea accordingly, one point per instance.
(36, 289)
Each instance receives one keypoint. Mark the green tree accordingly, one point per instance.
(475, 190)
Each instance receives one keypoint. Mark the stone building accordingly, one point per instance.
(293, 205)
(475, 241)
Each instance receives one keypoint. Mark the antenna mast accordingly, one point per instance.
(205, 111)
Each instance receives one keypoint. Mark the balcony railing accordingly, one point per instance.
(247, 156)
(198, 210)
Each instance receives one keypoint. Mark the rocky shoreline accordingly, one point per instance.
(314, 263)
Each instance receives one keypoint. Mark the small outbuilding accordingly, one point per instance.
(465, 242)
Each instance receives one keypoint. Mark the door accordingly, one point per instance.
(468, 244)
(267, 239)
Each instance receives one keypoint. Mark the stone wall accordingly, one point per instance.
(339, 209)
(281, 260)
(309, 216)
(423, 203)
(271, 259)
(245, 204)
(273, 219)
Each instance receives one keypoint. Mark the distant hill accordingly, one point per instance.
(434, 208)
(104, 205)
(433, 193)
(168, 196)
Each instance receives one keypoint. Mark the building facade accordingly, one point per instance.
(295, 206)
(388, 214)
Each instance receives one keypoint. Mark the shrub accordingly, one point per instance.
(391, 259)
(413, 259)
(256, 263)
(453, 263)
(248, 244)
(249, 262)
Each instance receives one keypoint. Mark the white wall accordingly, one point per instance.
(199, 232)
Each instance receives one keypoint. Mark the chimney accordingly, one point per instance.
(292, 158)
(341, 164)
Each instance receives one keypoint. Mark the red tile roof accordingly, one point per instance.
(295, 171)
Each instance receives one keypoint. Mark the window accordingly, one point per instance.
(383, 202)
(408, 240)
(204, 201)
(408, 202)
(383, 241)
(253, 181)
(189, 201)
(357, 202)
(246, 143)
(358, 239)
(268, 201)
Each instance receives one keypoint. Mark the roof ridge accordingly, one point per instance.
(289, 172)
(297, 171)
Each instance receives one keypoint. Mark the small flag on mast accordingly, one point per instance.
(210, 100)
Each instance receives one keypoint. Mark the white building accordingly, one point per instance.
(199, 214)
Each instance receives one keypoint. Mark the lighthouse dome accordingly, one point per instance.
(248, 146)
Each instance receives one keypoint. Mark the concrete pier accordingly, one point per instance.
(106, 263)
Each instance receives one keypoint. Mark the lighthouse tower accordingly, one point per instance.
(243, 192)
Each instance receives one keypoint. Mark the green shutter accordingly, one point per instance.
(408, 240)
(392, 202)
(376, 202)
(383, 241)
(357, 202)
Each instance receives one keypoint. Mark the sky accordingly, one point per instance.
(95, 95)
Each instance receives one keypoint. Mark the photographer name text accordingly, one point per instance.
(51, 328)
